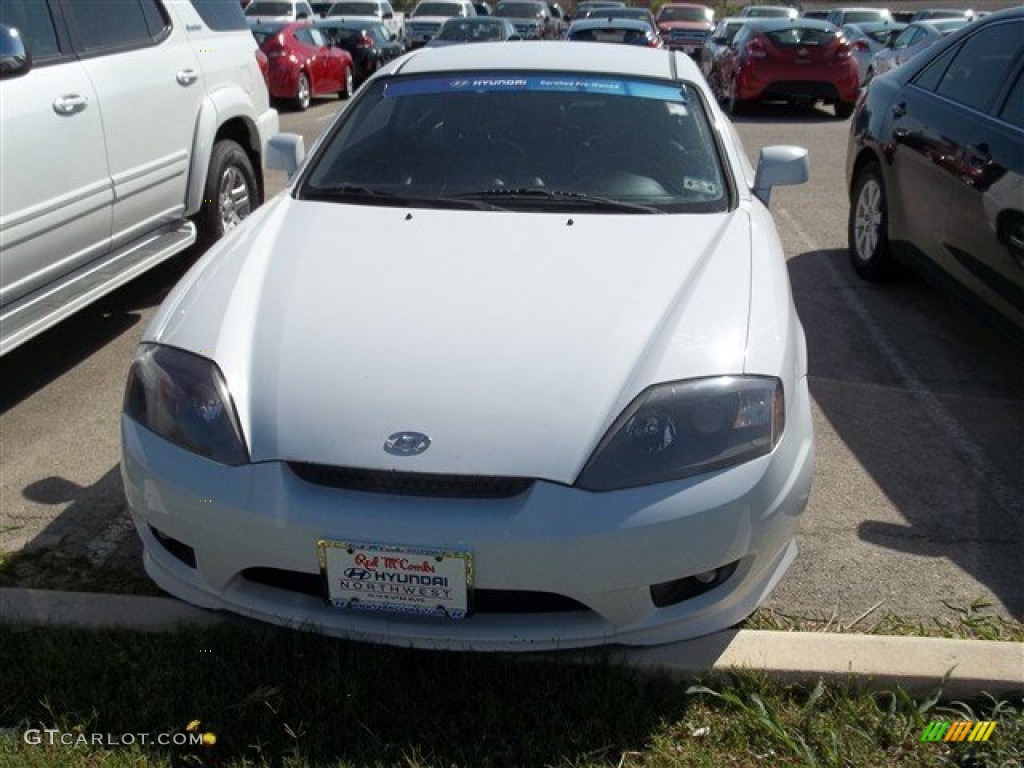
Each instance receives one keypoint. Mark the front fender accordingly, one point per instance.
(227, 113)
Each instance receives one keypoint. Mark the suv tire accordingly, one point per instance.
(231, 193)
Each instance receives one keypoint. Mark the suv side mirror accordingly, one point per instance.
(15, 60)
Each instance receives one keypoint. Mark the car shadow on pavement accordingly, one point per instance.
(91, 546)
(930, 402)
(56, 351)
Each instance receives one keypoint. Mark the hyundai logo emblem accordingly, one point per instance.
(406, 443)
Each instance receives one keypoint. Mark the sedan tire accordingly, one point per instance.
(349, 86)
(844, 109)
(735, 105)
(868, 228)
(303, 93)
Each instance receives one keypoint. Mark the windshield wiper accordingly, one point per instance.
(561, 195)
(356, 193)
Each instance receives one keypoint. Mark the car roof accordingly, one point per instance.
(498, 21)
(272, 27)
(346, 23)
(771, 24)
(610, 22)
(554, 56)
(872, 26)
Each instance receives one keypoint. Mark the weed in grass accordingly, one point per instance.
(975, 621)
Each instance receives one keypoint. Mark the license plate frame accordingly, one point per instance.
(393, 578)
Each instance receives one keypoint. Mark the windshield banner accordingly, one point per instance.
(512, 82)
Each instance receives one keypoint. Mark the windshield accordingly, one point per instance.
(854, 17)
(518, 10)
(522, 141)
(463, 30)
(269, 9)
(668, 13)
(354, 9)
(948, 26)
(438, 9)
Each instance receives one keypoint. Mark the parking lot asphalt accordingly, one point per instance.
(918, 500)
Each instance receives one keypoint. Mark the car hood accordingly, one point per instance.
(513, 340)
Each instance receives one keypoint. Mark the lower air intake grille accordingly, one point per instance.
(412, 483)
(484, 600)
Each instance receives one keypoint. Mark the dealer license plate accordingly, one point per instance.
(382, 577)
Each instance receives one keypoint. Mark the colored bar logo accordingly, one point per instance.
(959, 730)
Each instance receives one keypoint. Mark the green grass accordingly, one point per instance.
(283, 698)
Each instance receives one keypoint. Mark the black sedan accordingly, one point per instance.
(935, 168)
(369, 42)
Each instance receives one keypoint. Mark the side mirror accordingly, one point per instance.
(780, 166)
(15, 60)
(285, 152)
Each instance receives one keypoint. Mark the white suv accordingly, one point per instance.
(131, 129)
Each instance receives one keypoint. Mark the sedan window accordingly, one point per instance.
(982, 66)
(1013, 112)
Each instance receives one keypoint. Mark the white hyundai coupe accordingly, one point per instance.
(512, 364)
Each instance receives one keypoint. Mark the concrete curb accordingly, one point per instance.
(917, 664)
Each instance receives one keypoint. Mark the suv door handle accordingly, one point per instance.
(70, 103)
(899, 110)
(187, 77)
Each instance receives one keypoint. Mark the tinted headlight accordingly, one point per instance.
(685, 428)
(183, 398)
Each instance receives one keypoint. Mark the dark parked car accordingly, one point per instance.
(798, 60)
(644, 14)
(479, 29)
(368, 42)
(621, 31)
(531, 18)
(935, 168)
(303, 64)
(716, 47)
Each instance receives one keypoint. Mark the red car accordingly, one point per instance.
(685, 26)
(803, 61)
(302, 64)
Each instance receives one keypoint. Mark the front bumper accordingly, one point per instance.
(601, 550)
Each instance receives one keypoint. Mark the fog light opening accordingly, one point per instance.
(676, 591)
(181, 551)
